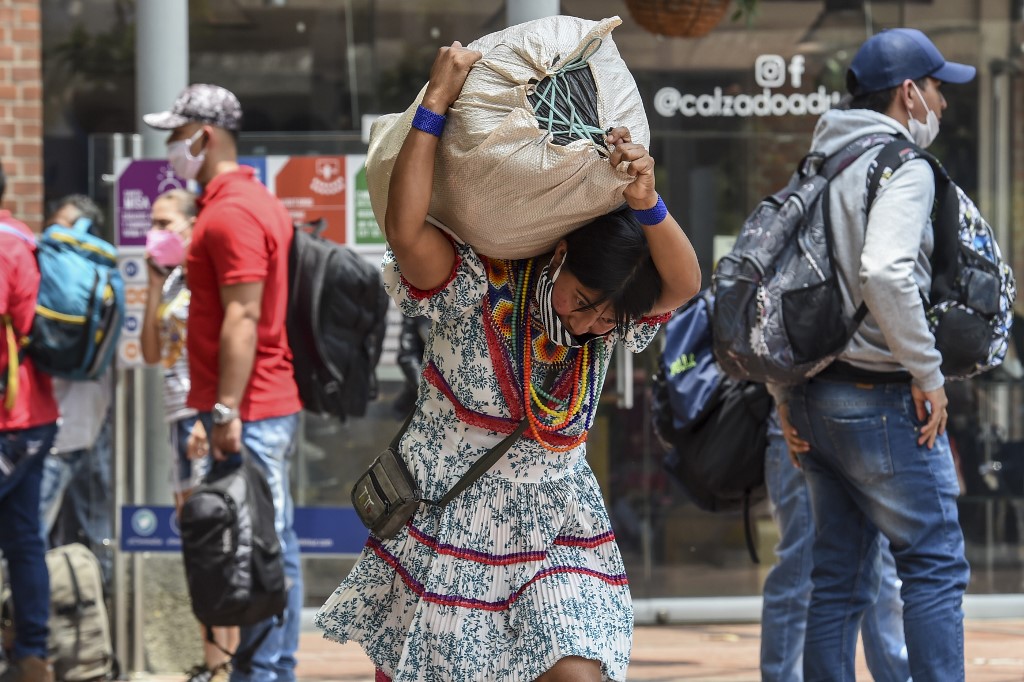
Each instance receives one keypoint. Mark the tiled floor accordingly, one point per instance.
(687, 653)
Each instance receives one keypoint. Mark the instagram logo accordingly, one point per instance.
(770, 71)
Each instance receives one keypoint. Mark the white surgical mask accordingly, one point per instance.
(179, 154)
(923, 133)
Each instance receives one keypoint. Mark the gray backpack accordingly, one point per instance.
(80, 645)
(778, 309)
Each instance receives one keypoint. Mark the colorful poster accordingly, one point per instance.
(138, 185)
(132, 264)
(365, 229)
(313, 187)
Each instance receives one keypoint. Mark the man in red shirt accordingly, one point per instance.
(243, 382)
(28, 424)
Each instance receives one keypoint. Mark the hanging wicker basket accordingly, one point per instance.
(678, 18)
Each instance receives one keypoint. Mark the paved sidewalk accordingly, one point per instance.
(687, 653)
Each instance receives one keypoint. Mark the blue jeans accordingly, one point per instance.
(787, 588)
(272, 444)
(21, 474)
(866, 474)
(84, 478)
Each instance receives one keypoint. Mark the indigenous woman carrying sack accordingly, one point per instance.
(518, 577)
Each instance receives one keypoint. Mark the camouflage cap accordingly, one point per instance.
(200, 103)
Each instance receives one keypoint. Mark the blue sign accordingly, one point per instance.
(321, 530)
(257, 162)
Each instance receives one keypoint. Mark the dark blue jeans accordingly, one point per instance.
(21, 475)
(866, 474)
(787, 588)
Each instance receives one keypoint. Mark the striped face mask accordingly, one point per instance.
(556, 331)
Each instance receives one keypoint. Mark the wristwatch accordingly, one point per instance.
(222, 414)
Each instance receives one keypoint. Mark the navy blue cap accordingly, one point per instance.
(888, 58)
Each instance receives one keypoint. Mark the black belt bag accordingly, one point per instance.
(386, 496)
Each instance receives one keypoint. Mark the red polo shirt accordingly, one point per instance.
(242, 235)
(19, 287)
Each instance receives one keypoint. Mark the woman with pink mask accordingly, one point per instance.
(163, 341)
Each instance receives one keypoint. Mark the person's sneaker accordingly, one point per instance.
(222, 673)
(198, 673)
(28, 669)
(201, 673)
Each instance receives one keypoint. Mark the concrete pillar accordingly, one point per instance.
(518, 11)
(161, 64)
(157, 602)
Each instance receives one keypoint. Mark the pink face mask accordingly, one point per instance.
(165, 247)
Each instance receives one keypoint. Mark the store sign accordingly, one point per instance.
(367, 233)
(138, 185)
(313, 187)
(770, 71)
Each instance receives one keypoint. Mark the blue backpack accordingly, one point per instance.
(715, 426)
(80, 307)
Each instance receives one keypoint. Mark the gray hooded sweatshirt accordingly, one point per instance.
(882, 256)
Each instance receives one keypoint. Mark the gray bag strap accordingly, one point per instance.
(833, 166)
(482, 465)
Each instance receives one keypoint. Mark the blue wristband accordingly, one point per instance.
(428, 121)
(653, 215)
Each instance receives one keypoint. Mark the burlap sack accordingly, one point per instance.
(500, 183)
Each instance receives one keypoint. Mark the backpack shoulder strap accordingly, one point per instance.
(841, 160)
(15, 345)
(10, 229)
(945, 218)
(894, 155)
(833, 166)
(82, 225)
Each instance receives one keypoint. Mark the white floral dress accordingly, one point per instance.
(521, 569)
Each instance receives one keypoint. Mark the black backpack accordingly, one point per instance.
(233, 560)
(969, 307)
(337, 310)
(714, 426)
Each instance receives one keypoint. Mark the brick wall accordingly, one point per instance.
(21, 109)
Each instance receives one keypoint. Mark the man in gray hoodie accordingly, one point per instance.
(869, 431)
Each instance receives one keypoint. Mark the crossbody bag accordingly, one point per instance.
(386, 496)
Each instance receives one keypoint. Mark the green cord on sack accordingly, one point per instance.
(571, 124)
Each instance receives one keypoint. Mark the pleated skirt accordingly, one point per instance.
(499, 585)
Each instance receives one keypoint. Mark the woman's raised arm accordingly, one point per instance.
(671, 251)
(424, 254)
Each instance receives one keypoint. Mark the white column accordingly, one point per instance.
(161, 63)
(518, 11)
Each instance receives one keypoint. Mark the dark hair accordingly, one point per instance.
(611, 256)
(3, 182)
(87, 208)
(877, 101)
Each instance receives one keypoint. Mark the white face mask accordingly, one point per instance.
(548, 316)
(179, 155)
(923, 133)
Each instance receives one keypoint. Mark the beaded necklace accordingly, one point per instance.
(546, 413)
